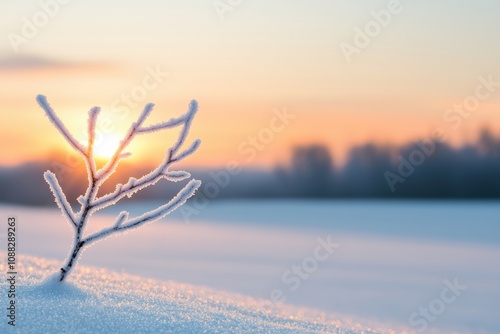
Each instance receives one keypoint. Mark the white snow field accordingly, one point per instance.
(393, 260)
(100, 301)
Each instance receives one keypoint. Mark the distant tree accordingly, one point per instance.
(488, 144)
(312, 169)
(90, 202)
(361, 175)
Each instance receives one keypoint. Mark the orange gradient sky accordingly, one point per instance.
(261, 58)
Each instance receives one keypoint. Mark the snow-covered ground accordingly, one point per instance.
(393, 260)
(101, 301)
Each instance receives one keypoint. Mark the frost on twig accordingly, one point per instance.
(59, 197)
(91, 202)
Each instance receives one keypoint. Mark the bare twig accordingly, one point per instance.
(89, 202)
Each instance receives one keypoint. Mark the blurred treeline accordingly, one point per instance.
(426, 170)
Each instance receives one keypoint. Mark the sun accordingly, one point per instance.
(105, 146)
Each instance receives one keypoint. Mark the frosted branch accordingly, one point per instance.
(193, 107)
(162, 211)
(110, 166)
(59, 197)
(176, 176)
(124, 155)
(133, 185)
(121, 218)
(42, 101)
(93, 113)
(183, 155)
(145, 113)
(173, 122)
(89, 202)
(148, 217)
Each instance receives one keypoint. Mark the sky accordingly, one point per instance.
(246, 62)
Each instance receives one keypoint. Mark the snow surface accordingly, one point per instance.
(100, 301)
(392, 259)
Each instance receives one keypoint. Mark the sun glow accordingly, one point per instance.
(106, 145)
